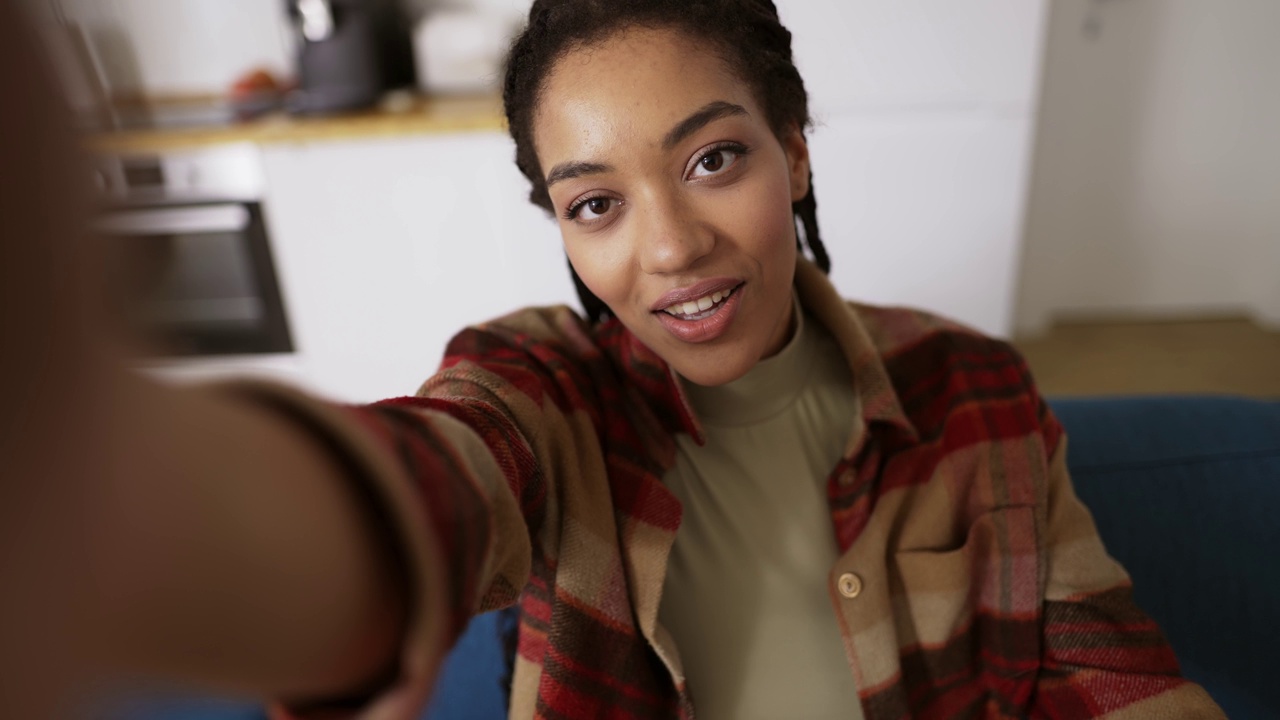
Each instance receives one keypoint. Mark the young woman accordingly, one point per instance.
(726, 493)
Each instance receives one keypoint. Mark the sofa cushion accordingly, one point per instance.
(1186, 494)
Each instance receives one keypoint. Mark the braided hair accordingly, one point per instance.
(746, 34)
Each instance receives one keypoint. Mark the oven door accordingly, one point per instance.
(198, 278)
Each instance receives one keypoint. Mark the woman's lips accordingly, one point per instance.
(695, 291)
(704, 329)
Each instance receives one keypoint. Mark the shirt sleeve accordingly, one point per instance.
(462, 472)
(420, 473)
(1102, 656)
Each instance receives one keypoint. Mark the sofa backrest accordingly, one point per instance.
(1186, 495)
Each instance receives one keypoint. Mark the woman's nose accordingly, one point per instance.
(672, 238)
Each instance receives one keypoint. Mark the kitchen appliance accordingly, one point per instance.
(349, 53)
(461, 50)
(193, 260)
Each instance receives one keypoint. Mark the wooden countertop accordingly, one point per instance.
(415, 115)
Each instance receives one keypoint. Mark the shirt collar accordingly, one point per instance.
(879, 401)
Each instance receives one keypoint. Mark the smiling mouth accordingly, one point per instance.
(701, 308)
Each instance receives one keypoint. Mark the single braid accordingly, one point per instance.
(747, 34)
(806, 210)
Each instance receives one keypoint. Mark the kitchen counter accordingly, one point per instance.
(409, 115)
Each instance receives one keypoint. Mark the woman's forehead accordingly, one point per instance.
(627, 92)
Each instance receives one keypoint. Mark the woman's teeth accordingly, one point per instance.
(694, 308)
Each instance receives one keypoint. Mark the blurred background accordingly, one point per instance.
(322, 190)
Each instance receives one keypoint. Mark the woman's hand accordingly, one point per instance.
(48, 386)
(142, 527)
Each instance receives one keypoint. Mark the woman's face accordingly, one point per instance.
(674, 198)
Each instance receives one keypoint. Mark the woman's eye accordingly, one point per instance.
(591, 208)
(714, 162)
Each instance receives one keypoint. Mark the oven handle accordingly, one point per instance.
(173, 221)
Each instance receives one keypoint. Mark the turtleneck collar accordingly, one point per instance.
(766, 389)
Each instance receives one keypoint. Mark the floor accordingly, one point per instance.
(1229, 356)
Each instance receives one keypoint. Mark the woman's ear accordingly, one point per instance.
(797, 150)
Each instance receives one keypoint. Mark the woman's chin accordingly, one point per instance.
(711, 369)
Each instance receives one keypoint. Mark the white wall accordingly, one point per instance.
(925, 111)
(1156, 187)
(184, 47)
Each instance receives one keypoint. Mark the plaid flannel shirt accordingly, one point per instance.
(529, 469)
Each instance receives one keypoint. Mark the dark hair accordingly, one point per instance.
(746, 33)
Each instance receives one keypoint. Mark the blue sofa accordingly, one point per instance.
(1186, 494)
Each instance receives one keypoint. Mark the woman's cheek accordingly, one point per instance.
(600, 264)
(763, 218)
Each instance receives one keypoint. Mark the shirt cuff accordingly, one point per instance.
(353, 436)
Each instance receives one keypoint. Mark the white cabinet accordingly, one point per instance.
(386, 248)
(925, 111)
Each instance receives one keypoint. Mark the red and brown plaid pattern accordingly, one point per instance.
(537, 455)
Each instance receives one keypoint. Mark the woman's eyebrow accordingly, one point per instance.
(693, 123)
(570, 170)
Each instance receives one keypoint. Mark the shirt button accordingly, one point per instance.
(850, 585)
(847, 476)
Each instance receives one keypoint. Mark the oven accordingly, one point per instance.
(195, 268)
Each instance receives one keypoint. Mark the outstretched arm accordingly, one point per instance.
(145, 527)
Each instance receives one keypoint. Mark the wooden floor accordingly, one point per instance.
(1232, 356)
